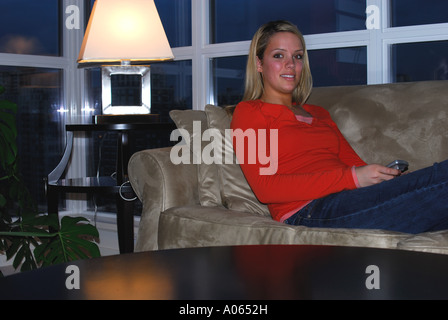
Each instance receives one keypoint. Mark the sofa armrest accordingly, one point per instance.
(160, 185)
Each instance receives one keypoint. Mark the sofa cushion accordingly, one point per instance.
(405, 121)
(433, 242)
(208, 182)
(235, 191)
(196, 226)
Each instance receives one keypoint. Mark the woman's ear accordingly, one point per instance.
(259, 65)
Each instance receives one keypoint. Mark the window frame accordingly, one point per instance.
(379, 44)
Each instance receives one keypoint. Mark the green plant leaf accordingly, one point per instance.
(70, 243)
(67, 244)
(40, 221)
(21, 251)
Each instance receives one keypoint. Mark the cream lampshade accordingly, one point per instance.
(126, 32)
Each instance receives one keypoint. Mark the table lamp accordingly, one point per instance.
(123, 37)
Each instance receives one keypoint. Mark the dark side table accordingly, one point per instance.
(55, 183)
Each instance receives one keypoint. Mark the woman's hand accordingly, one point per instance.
(375, 173)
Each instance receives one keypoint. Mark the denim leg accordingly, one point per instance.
(413, 203)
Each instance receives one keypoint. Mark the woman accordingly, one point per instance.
(320, 180)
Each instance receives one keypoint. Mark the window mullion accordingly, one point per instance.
(73, 77)
(199, 67)
(73, 98)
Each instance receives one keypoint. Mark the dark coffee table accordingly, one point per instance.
(242, 272)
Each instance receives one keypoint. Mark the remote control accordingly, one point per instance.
(399, 165)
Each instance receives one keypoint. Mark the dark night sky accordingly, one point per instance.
(37, 21)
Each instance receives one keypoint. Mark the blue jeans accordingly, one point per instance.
(413, 203)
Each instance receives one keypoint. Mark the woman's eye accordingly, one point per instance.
(278, 56)
(299, 57)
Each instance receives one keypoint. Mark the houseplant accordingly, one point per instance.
(30, 238)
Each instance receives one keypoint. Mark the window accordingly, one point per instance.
(311, 17)
(30, 27)
(328, 27)
(418, 48)
(343, 49)
(228, 74)
(420, 61)
(40, 117)
(418, 12)
(171, 87)
(176, 19)
(339, 67)
(32, 72)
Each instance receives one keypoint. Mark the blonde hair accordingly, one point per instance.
(254, 81)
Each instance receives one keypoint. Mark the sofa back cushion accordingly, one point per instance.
(236, 193)
(209, 189)
(221, 182)
(405, 121)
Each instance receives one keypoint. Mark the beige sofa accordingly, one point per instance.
(197, 205)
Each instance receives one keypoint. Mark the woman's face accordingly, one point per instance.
(281, 65)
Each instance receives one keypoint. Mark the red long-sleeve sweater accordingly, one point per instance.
(314, 159)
